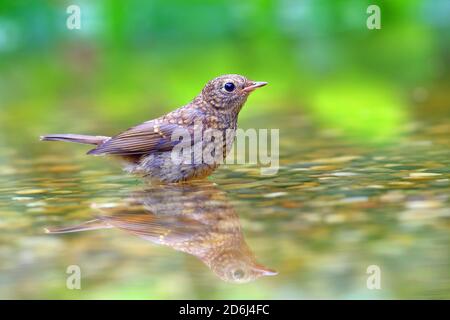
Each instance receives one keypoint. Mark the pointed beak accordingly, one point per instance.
(266, 271)
(254, 85)
(270, 272)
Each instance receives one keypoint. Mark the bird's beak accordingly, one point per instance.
(265, 271)
(254, 85)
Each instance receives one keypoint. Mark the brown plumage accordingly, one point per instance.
(147, 147)
(193, 218)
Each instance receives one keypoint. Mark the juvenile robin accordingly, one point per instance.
(147, 148)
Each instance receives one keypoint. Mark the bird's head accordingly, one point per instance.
(238, 266)
(228, 93)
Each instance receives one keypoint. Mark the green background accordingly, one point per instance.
(375, 103)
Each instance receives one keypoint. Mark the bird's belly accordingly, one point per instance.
(195, 162)
(161, 167)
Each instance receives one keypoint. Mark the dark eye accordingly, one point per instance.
(229, 86)
(238, 274)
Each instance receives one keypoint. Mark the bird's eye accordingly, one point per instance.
(229, 86)
(238, 274)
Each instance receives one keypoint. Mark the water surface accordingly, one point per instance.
(336, 206)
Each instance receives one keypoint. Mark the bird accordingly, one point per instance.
(148, 148)
(194, 218)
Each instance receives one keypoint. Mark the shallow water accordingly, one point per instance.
(336, 207)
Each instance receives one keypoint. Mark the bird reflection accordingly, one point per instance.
(192, 218)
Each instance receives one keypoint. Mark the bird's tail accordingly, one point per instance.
(86, 226)
(78, 138)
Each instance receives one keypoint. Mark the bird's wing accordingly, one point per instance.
(145, 138)
(167, 228)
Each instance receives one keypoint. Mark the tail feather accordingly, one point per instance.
(78, 138)
(86, 226)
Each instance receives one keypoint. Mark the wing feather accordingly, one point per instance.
(148, 137)
(164, 228)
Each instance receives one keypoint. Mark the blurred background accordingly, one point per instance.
(337, 90)
(134, 60)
